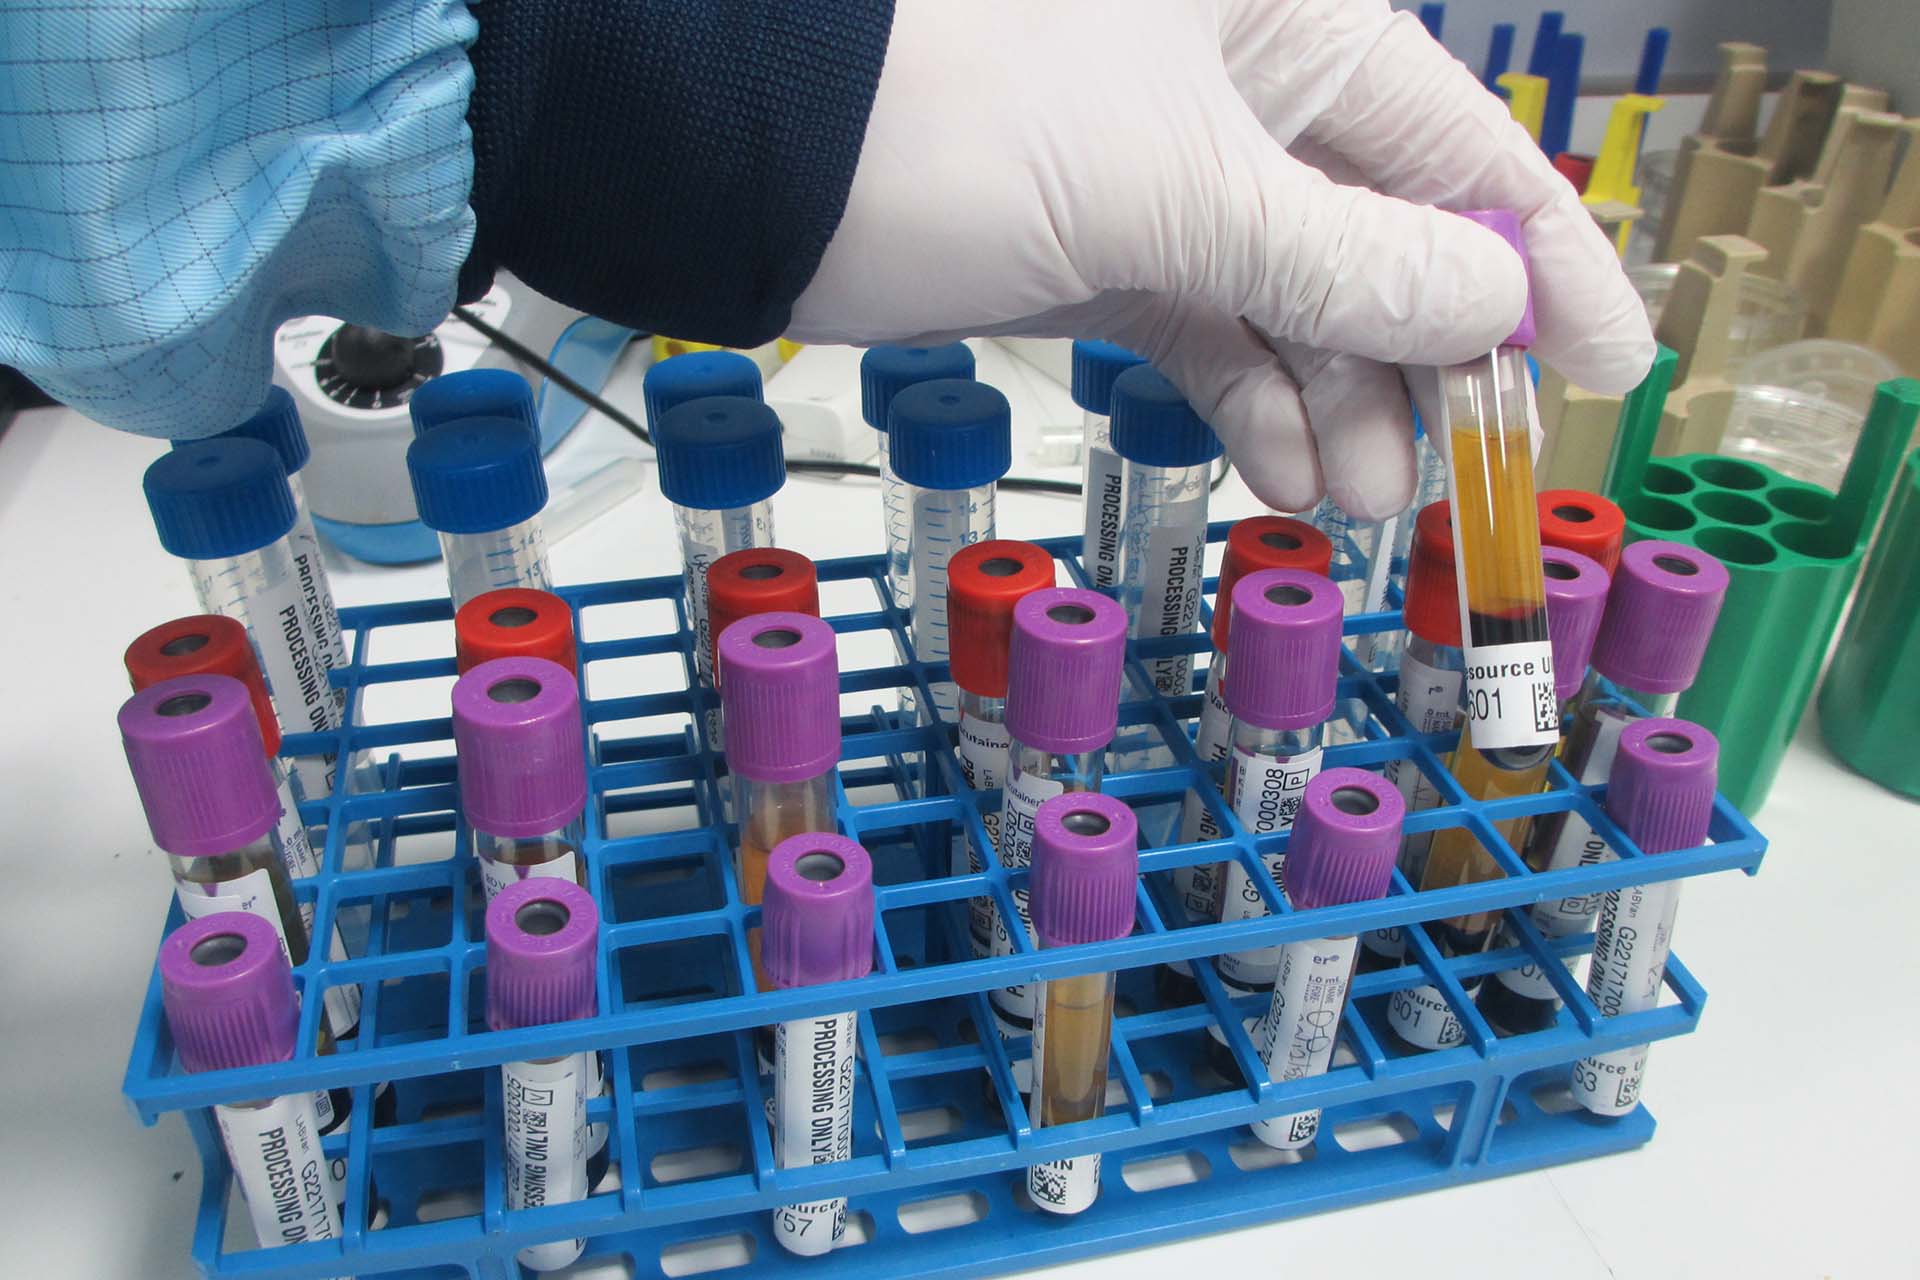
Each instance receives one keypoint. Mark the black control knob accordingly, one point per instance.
(365, 368)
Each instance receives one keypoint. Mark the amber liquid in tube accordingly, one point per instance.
(772, 812)
(1079, 1030)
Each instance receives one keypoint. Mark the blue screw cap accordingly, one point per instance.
(217, 498)
(887, 371)
(1095, 366)
(697, 375)
(277, 425)
(951, 433)
(719, 452)
(477, 475)
(472, 393)
(1154, 425)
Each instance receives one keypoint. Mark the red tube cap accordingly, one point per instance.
(1266, 542)
(1575, 168)
(758, 580)
(984, 582)
(513, 622)
(1433, 598)
(1575, 520)
(205, 644)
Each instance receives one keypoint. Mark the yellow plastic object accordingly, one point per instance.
(1611, 182)
(781, 349)
(1526, 99)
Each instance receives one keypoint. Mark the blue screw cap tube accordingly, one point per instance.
(473, 393)
(695, 376)
(1096, 366)
(950, 440)
(479, 483)
(884, 373)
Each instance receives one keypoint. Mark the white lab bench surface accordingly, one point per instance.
(1786, 1121)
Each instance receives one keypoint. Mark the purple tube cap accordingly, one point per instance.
(1086, 862)
(1063, 670)
(517, 744)
(1576, 597)
(1345, 839)
(780, 697)
(1662, 785)
(1660, 614)
(816, 920)
(541, 938)
(1284, 634)
(1506, 224)
(228, 993)
(193, 744)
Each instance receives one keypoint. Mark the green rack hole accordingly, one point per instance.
(1662, 516)
(1735, 546)
(1813, 540)
(1729, 474)
(1661, 478)
(1732, 508)
(1801, 503)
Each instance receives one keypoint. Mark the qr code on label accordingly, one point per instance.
(1546, 710)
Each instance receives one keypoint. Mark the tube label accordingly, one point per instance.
(1266, 791)
(1302, 1026)
(1020, 802)
(1577, 845)
(1510, 695)
(1170, 599)
(1212, 738)
(298, 856)
(496, 876)
(287, 1182)
(296, 635)
(983, 763)
(1106, 506)
(251, 893)
(546, 1149)
(1422, 1017)
(1630, 946)
(812, 1122)
(1059, 1186)
(1429, 697)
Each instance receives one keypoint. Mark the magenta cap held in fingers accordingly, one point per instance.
(1506, 224)
(517, 744)
(541, 938)
(1284, 634)
(816, 920)
(1063, 670)
(193, 744)
(1662, 785)
(1660, 614)
(1086, 862)
(1345, 839)
(1576, 597)
(228, 993)
(780, 697)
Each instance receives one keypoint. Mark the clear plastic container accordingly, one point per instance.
(1767, 314)
(1800, 408)
(1656, 181)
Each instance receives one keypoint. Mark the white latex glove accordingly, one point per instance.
(1168, 175)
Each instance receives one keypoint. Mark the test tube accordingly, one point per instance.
(225, 507)
(1576, 592)
(193, 745)
(1102, 475)
(230, 1002)
(479, 483)
(984, 583)
(949, 440)
(1343, 848)
(1659, 617)
(472, 393)
(1583, 522)
(780, 688)
(1286, 645)
(212, 645)
(1086, 867)
(885, 372)
(758, 580)
(541, 939)
(720, 462)
(513, 622)
(1362, 566)
(1486, 414)
(1063, 672)
(1253, 544)
(1661, 793)
(523, 770)
(816, 926)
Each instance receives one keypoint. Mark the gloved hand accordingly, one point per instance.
(1235, 190)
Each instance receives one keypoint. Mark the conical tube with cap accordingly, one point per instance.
(1095, 366)
(885, 372)
(479, 483)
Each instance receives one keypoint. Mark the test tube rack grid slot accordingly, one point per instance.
(941, 1137)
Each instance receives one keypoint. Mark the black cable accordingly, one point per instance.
(802, 466)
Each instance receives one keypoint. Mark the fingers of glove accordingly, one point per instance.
(1421, 127)
(1362, 427)
(1289, 58)
(1233, 380)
